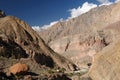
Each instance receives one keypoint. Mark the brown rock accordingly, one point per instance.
(18, 68)
(19, 40)
(58, 77)
(81, 37)
(106, 63)
(28, 77)
(80, 52)
(87, 23)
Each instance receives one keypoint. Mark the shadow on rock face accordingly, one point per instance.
(2, 14)
(11, 49)
(44, 60)
(87, 78)
(58, 77)
(3, 76)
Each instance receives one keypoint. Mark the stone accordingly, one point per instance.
(18, 68)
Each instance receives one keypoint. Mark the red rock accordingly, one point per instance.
(17, 68)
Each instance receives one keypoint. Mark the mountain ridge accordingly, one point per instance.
(84, 35)
(20, 43)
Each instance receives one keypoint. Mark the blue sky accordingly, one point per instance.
(41, 12)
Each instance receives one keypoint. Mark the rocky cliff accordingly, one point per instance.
(20, 43)
(84, 35)
(96, 18)
(106, 63)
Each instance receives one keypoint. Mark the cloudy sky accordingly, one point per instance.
(44, 12)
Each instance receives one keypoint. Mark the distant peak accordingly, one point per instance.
(2, 13)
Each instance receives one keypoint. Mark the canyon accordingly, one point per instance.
(82, 37)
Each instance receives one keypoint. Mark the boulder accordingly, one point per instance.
(18, 68)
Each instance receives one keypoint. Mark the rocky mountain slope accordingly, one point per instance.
(20, 43)
(84, 35)
(96, 18)
(106, 63)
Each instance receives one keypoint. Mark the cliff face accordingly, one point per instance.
(80, 52)
(84, 35)
(18, 40)
(106, 63)
(96, 18)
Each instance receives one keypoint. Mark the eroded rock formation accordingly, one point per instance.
(106, 63)
(84, 35)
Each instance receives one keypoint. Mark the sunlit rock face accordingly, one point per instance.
(76, 50)
(106, 63)
(82, 37)
(18, 40)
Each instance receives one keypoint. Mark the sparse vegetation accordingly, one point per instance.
(62, 70)
(51, 71)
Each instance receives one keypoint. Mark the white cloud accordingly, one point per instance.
(47, 26)
(39, 28)
(103, 1)
(109, 3)
(36, 28)
(75, 12)
(117, 1)
(80, 10)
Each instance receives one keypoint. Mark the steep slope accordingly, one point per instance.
(106, 63)
(95, 18)
(84, 35)
(19, 40)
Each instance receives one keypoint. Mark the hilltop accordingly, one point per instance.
(19, 43)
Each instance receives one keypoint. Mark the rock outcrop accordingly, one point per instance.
(18, 68)
(2, 14)
(20, 42)
(84, 35)
(94, 20)
(106, 63)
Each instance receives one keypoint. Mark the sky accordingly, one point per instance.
(48, 12)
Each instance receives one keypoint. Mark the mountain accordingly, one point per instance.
(95, 18)
(2, 14)
(38, 28)
(106, 63)
(84, 35)
(20, 43)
